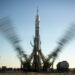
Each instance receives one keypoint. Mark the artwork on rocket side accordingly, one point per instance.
(36, 61)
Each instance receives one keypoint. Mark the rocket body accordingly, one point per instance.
(37, 34)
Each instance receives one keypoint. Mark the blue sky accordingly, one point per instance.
(55, 17)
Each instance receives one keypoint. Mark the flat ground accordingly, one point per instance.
(31, 73)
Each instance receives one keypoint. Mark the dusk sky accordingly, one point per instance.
(55, 18)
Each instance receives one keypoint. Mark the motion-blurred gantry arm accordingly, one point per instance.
(70, 34)
(8, 30)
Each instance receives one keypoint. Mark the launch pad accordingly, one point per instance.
(36, 61)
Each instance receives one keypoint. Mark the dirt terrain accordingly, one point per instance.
(31, 73)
